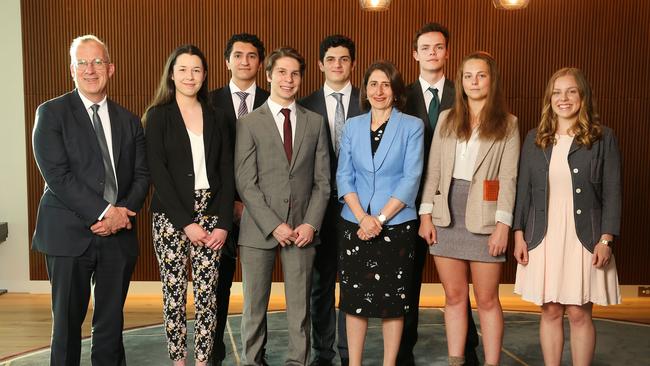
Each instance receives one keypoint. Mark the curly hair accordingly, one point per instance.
(586, 129)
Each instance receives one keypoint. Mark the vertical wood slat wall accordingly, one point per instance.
(608, 39)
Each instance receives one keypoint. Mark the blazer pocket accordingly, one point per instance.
(437, 206)
(488, 213)
(490, 190)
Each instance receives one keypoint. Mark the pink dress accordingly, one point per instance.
(559, 269)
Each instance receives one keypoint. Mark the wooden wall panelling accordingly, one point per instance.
(607, 39)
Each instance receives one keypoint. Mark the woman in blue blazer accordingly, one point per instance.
(378, 176)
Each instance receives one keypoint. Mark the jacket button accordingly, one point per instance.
(290, 176)
(190, 175)
(578, 190)
(286, 200)
(575, 170)
(578, 211)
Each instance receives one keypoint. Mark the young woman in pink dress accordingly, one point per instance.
(566, 217)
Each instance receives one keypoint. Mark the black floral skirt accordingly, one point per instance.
(375, 275)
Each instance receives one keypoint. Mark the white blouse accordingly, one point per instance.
(466, 153)
(198, 159)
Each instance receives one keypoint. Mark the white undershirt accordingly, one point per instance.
(198, 160)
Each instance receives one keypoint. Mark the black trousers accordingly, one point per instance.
(106, 269)
(410, 332)
(323, 312)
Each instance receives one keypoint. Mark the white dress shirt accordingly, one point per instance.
(330, 104)
(427, 94)
(106, 125)
(279, 118)
(250, 99)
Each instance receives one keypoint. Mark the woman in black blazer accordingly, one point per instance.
(192, 173)
(567, 212)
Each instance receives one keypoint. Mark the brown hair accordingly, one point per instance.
(493, 115)
(284, 52)
(396, 84)
(586, 129)
(429, 28)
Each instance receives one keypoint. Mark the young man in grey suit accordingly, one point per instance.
(244, 55)
(431, 94)
(336, 101)
(282, 174)
(91, 154)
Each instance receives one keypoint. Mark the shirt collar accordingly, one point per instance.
(347, 89)
(438, 85)
(275, 107)
(234, 88)
(89, 103)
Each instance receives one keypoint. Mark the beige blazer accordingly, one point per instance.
(273, 190)
(496, 160)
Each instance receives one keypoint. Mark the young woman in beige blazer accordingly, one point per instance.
(468, 200)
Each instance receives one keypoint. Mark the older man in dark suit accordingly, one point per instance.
(336, 101)
(244, 55)
(91, 154)
(431, 94)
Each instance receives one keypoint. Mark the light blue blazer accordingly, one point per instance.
(394, 171)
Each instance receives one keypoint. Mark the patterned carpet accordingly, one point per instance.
(618, 343)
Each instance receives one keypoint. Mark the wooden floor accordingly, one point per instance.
(25, 319)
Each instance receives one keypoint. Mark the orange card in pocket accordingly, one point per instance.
(490, 190)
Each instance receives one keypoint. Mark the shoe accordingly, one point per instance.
(345, 362)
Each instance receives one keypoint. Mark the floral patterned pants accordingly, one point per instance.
(172, 249)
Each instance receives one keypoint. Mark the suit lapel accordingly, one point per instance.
(85, 123)
(301, 127)
(387, 139)
(208, 127)
(260, 97)
(271, 129)
(353, 107)
(227, 97)
(484, 147)
(447, 96)
(116, 132)
(420, 105)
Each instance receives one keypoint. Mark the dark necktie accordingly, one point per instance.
(339, 121)
(434, 106)
(288, 149)
(243, 108)
(110, 186)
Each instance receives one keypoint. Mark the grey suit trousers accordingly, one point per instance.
(257, 269)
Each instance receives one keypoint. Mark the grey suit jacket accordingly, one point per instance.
(596, 179)
(273, 190)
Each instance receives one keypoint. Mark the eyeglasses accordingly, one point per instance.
(97, 63)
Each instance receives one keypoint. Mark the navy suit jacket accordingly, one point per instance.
(315, 102)
(70, 161)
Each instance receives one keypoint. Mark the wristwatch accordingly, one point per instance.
(606, 242)
(382, 218)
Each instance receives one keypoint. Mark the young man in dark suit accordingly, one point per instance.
(336, 101)
(91, 154)
(431, 94)
(244, 56)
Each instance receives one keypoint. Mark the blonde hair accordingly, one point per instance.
(587, 128)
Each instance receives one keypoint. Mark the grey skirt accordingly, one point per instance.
(454, 241)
